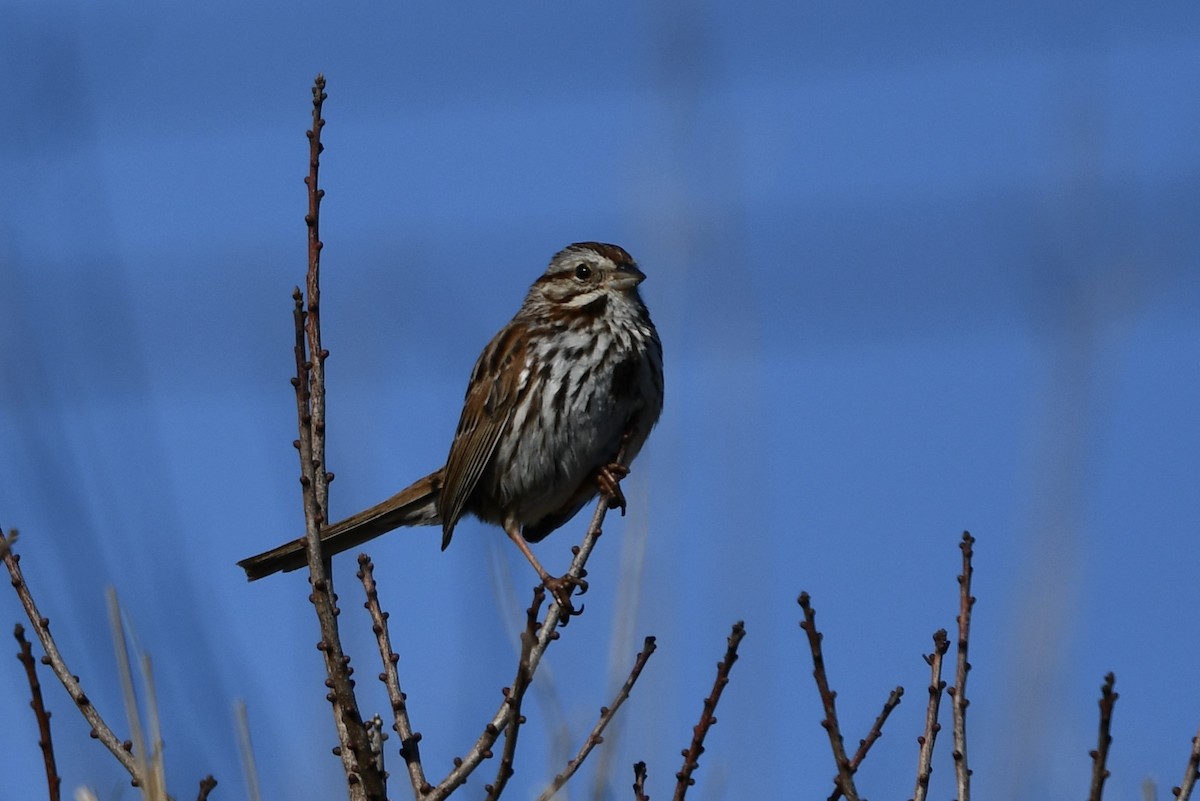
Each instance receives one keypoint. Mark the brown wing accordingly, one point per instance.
(496, 383)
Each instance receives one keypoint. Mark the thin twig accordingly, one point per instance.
(515, 696)
(1184, 791)
(45, 741)
(482, 749)
(864, 745)
(596, 736)
(629, 593)
(316, 353)
(207, 785)
(409, 749)
(1108, 700)
(958, 693)
(845, 773)
(639, 782)
(691, 755)
(41, 626)
(354, 747)
(941, 644)
(554, 718)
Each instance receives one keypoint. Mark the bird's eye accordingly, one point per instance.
(583, 272)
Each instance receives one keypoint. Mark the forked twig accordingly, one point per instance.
(41, 626)
(596, 736)
(691, 755)
(958, 693)
(354, 747)
(45, 741)
(547, 631)
(941, 644)
(864, 745)
(845, 773)
(1099, 755)
(1184, 791)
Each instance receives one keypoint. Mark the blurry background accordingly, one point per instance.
(916, 270)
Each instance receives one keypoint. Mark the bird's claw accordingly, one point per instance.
(609, 479)
(560, 590)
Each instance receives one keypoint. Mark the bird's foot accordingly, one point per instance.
(560, 590)
(609, 480)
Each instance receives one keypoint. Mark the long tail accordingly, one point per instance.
(416, 505)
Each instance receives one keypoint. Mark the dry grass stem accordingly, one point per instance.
(241, 718)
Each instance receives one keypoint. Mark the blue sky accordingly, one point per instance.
(916, 271)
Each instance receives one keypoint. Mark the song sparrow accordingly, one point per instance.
(576, 373)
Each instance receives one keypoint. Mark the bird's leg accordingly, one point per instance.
(560, 588)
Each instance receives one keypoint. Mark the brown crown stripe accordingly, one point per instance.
(613, 253)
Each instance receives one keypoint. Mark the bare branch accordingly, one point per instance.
(41, 626)
(1108, 700)
(595, 737)
(941, 644)
(1184, 791)
(691, 755)
(45, 741)
(354, 746)
(845, 773)
(958, 693)
(874, 734)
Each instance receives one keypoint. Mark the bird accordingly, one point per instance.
(572, 381)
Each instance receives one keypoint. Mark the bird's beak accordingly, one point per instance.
(626, 277)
